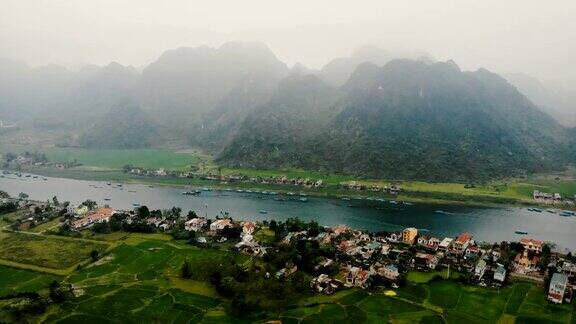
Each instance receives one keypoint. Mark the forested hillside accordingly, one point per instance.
(415, 120)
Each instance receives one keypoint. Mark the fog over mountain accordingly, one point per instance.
(552, 98)
(373, 90)
(407, 119)
(373, 114)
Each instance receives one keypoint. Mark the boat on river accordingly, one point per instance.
(263, 211)
(521, 232)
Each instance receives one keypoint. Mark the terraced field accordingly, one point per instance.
(139, 282)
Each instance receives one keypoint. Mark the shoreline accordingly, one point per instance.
(426, 197)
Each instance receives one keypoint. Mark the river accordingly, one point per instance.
(487, 224)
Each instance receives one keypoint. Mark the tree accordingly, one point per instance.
(9, 157)
(191, 214)
(176, 211)
(55, 201)
(143, 212)
(186, 271)
(94, 255)
(545, 257)
(91, 204)
(23, 195)
(273, 225)
(56, 292)
(4, 194)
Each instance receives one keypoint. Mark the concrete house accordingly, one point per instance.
(557, 288)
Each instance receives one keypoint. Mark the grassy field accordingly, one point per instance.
(46, 251)
(139, 281)
(112, 159)
(14, 280)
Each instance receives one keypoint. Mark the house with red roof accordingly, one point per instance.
(96, 216)
(461, 243)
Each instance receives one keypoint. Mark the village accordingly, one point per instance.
(338, 257)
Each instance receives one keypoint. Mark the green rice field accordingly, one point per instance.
(137, 281)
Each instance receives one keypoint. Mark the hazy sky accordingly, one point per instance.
(533, 36)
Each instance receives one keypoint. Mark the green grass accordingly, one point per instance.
(419, 277)
(15, 280)
(483, 303)
(46, 251)
(112, 159)
(415, 293)
(516, 299)
(445, 294)
(536, 308)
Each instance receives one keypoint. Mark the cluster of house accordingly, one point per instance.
(279, 180)
(83, 217)
(388, 257)
(210, 228)
(553, 198)
(7, 125)
(33, 213)
(36, 160)
(393, 189)
(157, 172)
(362, 257)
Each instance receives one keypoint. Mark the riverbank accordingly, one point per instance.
(494, 195)
(106, 165)
(422, 194)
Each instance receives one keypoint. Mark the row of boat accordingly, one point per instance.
(20, 175)
(393, 202)
(565, 213)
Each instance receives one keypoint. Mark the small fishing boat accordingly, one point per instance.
(290, 193)
(35, 177)
(303, 199)
(303, 194)
(44, 179)
(263, 211)
(394, 202)
(345, 198)
(119, 185)
(407, 203)
(109, 183)
(521, 232)
(135, 204)
(239, 190)
(551, 211)
(107, 199)
(150, 186)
